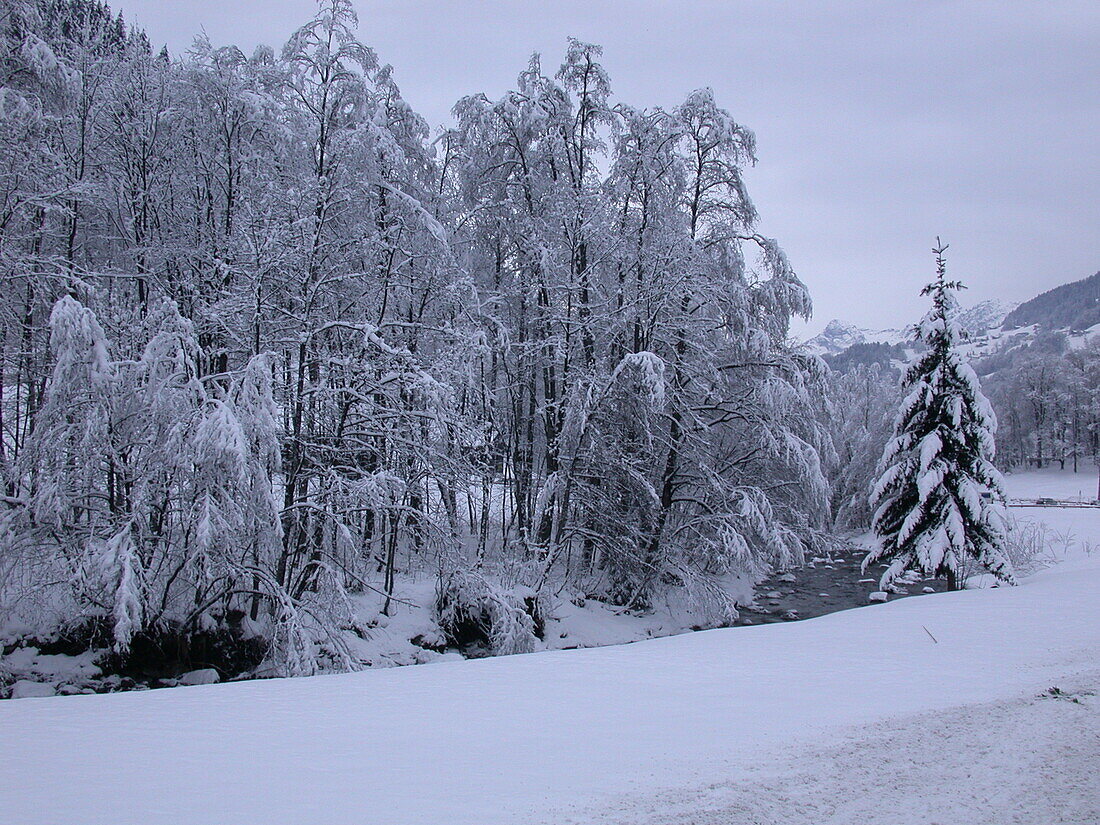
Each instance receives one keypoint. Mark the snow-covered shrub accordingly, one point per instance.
(474, 612)
(1030, 545)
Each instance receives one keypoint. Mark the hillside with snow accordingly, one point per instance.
(1073, 306)
(996, 330)
(849, 718)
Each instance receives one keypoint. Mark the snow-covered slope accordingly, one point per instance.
(985, 316)
(724, 721)
(1072, 306)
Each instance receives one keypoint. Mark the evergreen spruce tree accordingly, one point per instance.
(930, 512)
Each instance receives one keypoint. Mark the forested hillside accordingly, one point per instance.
(268, 342)
(886, 356)
(1074, 306)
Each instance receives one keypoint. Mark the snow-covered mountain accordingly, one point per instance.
(979, 319)
(838, 336)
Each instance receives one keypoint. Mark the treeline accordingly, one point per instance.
(268, 342)
(1047, 398)
(886, 356)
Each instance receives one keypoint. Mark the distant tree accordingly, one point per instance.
(1041, 398)
(931, 507)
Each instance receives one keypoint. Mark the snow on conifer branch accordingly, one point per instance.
(935, 502)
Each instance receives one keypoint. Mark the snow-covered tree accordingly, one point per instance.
(861, 405)
(261, 530)
(71, 457)
(301, 349)
(933, 504)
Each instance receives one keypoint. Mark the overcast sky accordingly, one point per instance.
(879, 124)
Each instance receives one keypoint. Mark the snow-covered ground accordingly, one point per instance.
(409, 635)
(921, 710)
(572, 622)
(1051, 482)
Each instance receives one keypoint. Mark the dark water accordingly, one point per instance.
(821, 587)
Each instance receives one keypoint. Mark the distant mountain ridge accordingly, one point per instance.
(838, 337)
(986, 315)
